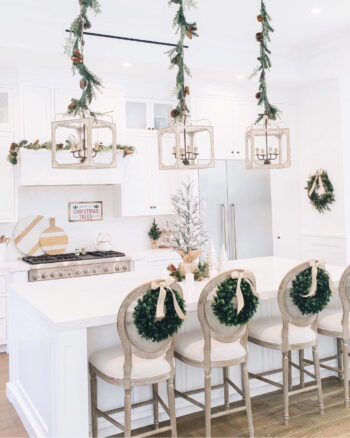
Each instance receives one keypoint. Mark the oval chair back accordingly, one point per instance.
(344, 293)
(132, 341)
(289, 311)
(210, 324)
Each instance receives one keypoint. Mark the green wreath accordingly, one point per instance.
(301, 286)
(222, 303)
(320, 202)
(144, 316)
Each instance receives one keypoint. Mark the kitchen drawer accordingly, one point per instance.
(2, 285)
(2, 307)
(3, 339)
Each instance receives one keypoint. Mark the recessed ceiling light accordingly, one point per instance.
(316, 11)
(240, 77)
(126, 65)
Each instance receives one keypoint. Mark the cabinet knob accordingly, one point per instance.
(278, 237)
(238, 152)
(232, 152)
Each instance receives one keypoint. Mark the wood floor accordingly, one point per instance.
(267, 414)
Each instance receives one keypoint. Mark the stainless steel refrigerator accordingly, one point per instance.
(236, 207)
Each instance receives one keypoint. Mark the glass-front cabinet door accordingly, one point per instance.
(146, 115)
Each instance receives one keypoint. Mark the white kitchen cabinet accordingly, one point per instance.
(145, 116)
(145, 190)
(37, 113)
(8, 193)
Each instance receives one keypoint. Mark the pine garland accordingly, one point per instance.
(36, 145)
(176, 55)
(222, 303)
(301, 286)
(144, 316)
(89, 82)
(263, 38)
(321, 201)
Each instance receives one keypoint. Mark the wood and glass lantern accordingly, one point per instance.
(84, 143)
(186, 146)
(267, 146)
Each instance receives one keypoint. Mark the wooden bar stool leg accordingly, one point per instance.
(127, 413)
(290, 378)
(340, 361)
(172, 409)
(155, 405)
(207, 384)
(246, 392)
(318, 378)
(285, 387)
(301, 371)
(346, 372)
(226, 388)
(93, 390)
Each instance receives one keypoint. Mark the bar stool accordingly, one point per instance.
(335, 323)
(136, 362)
(286, 332)
(216, 346)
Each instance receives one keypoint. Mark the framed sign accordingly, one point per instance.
(85, 211)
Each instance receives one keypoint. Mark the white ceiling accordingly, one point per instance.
(227, 28)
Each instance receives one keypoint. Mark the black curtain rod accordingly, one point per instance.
(129, 39)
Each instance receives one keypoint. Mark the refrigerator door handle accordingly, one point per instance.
(223, 225)
(234, 231)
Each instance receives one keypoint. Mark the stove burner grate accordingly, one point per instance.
(71, 257)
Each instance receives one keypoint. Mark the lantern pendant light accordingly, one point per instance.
(267, 141)
(85, 135)
(184, 145)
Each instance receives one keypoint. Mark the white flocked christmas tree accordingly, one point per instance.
(188, 230)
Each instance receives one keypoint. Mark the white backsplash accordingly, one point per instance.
(128, 233)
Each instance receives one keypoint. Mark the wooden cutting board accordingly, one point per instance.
(27, 233)
(53, 240)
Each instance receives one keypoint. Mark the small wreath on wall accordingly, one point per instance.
(224, 308)
(144, 316)
(301, 286)
(320, 191)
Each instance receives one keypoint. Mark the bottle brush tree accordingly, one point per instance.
(154, 232)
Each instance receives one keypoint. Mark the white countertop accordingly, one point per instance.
(153, 254)
(14, 266)
(95, 300)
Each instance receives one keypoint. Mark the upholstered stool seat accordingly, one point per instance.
(191, 346)
(269, 330)
(110, 362)
(330, 320)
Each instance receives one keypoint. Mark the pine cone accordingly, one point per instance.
(174, 113)
(259, 36)
(189, 34)
(171, 268)
(59, 145)
(82, 84)
(36, 141)
(258, 95)
(71, 106)
(259, 18)
(14, 146)
(186, 91)
(76, 60)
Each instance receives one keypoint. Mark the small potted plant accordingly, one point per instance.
(154, 234)
(4, 241)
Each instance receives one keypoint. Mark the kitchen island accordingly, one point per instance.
(54, 326)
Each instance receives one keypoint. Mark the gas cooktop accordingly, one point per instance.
(71, 257)
(47, 267)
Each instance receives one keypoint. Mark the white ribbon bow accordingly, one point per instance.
(239, 276)
(162, 285)
(318, 264)
(317, 178)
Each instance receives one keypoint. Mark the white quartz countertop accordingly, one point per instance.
(14, 266)
(153, 254)
(93, 301)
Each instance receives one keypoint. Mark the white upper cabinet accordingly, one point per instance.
(142, 116)
(8, 194)
(37, 113)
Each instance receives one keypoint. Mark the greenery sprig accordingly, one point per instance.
(301, 286)
(144, 316)
(176, 55)
(89, 82)
(222, 303)
(36, 145)
(263, 38)
(321, 202)
(201, 272)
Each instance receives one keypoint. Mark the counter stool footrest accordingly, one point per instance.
(265, 380)
(327, 367)
(301, 390)
(199, 390)
(235, 387)
(133, 406)
(229, 411)
(164, 406)
(189, 399)
(302, 368)
(110, 419)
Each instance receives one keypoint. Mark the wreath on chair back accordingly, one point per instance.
(144, 315)
(223, 302)
(320, 191)
(301, 285)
